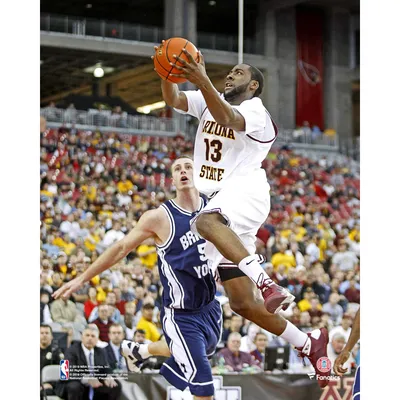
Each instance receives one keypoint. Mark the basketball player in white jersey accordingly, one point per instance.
(234, 136)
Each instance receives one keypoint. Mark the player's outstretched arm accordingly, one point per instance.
(345, 354)
(195, 72)
(144, 229)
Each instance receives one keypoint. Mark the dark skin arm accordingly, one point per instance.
(345, 354)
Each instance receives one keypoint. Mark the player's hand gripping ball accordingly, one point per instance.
(164, 55)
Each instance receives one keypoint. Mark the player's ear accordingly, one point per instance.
(254, 85)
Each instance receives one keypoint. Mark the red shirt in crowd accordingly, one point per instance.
(88, 307)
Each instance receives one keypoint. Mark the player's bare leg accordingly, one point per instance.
(212, 227)
(250, 306)
(159, 348)
(135, 353)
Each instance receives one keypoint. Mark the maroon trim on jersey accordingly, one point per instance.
(268, 141)
(202, 113)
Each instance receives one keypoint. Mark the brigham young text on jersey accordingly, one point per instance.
(183, 267)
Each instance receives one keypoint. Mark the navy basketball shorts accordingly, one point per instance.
(356, 387)
(192, 337)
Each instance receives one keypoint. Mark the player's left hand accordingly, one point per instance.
(194, 72)
(340, 360)
(110, 382)
(66, 290)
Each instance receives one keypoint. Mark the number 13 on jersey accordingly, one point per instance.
(213, 150)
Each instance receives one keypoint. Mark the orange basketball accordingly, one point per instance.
(164, 55)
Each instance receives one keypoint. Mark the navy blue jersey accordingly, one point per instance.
(184, 272)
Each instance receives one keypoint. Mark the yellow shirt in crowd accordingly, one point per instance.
(101, 294)
(304, 305)
(68, 248)
(124, 187)
(89, 243)
(150, 259)
(283, 259)
(150, 329)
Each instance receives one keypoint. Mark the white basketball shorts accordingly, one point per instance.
(245, 203)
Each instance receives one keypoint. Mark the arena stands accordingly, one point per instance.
(95, 186)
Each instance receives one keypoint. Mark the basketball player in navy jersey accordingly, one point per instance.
(234, 136)
(191, 316)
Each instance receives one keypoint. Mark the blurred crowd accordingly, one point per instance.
(95, 187)
(311, 134)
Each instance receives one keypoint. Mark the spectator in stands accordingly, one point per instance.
(119, 303)
(282, 258)
(124, 185)
(113, 312)
(352, 294)
(103, 322)
(140, 293)
(316, 133)
(333, 308)
(44, 286)
(305, 303)
(247, 342)
(70, 227)
(47, 267)
(305, 322)
(112, 236)
(313, 250)
(146, 323)
(140, 336)
(129, 324)
(87, 354)
(345, 259)
(91, 302)
(344, 328)
(50, 354)
(45, 315)
(261, 342)
(232, 358)
(64, 312)
(70, 114)
(62, 259)
(116, 336)
(103, 289)
(153, 293)
(52, 112)
(236, 326)
(316, 308)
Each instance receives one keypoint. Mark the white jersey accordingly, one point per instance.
(221, 153)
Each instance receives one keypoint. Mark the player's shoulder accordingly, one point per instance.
(156, 215)
(255, 106)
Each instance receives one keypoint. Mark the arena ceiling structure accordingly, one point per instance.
(62, 70)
